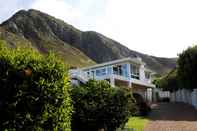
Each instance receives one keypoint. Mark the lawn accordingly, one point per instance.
(137, 123)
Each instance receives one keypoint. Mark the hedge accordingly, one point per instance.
(98, 106)
(34, 93)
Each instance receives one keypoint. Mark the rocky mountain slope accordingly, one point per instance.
(44, 33)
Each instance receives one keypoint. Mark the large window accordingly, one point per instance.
(135, 72)
(121, 70)
(117, 70)
(101, 72)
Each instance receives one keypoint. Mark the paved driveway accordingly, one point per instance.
(172, 117)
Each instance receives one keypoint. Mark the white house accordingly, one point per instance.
(126, 72)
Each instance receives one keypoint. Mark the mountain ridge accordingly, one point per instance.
(40, 28)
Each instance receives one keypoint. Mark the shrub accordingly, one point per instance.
(187, 71)
(34, 91)
(99, 106)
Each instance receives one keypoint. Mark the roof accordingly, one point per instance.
(136, 60)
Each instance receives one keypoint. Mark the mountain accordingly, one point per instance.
(44, 33)
(35, 28)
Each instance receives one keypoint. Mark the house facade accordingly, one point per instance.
(127, 72)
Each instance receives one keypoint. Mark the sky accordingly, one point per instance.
(161, 28)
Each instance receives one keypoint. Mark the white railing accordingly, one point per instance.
(141, 82)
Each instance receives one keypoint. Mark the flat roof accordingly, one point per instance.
(137, 61)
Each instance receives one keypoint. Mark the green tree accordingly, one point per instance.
(187, 68)
(99, 106)
(169, 82)
(34, 94)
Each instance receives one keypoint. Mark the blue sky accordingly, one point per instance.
(156, 27)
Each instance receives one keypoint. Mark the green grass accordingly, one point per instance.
(137, 123)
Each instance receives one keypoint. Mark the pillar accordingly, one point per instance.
(112, 81)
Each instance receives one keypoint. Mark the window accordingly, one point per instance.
(117, 70)
(147, 75)
(135, 72)
(101, 72)
(109, 70)
(125, 70)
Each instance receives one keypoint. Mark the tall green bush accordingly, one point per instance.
(185, 75)
(187, 68)
(34, 92)
(97, 105)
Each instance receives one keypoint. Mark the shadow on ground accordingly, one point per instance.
(173, 112)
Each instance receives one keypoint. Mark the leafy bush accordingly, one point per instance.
(34, 92)
(185, 75)
(187, 68)
(99, 106)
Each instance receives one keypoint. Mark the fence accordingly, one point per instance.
(185, 96)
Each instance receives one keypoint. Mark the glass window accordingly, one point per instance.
(101, 72)
(135, 72)
(147, 75)
(98, 73)
(125, 70)
(109, 70)
(117, 69)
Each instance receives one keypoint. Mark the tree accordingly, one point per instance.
(99, 106)
(34, 91)
(187, 68)
(169, 82)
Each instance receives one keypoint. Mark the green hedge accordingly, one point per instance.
(187, 68)
(97, 105)
(34, 91)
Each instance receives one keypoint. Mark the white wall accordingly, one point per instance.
(186, 96)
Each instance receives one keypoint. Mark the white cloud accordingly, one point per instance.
(9, 7)
(156, 27)
(58, 8)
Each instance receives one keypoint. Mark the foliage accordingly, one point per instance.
(99, 106)
(34, 91)
(187, 68)
(185, 75)
(169, 82)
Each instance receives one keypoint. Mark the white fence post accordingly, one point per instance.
(194, 98)
(185, 96)
(173, 97)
